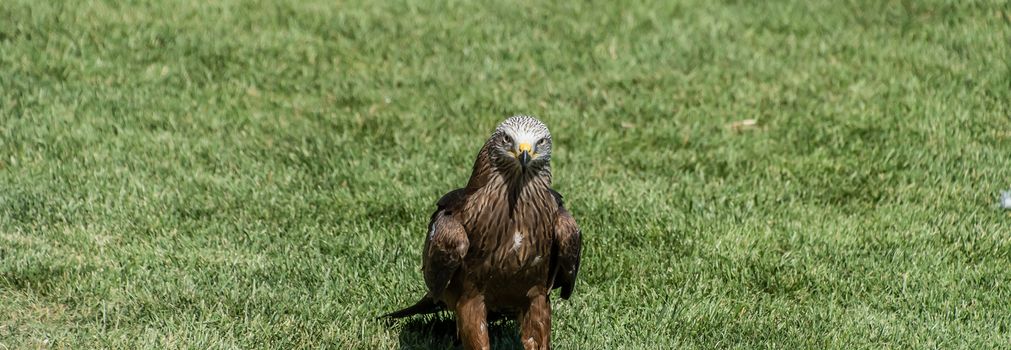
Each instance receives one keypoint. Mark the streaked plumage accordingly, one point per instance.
(503, 242)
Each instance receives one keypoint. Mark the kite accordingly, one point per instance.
(502, 243)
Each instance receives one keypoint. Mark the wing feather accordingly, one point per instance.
(445, 246)
(567, 249)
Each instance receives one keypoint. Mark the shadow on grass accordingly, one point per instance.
(439, 332)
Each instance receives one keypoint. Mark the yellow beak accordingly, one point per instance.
(525, 153)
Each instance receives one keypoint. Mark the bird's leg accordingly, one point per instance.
(472, 323)
(535, 323)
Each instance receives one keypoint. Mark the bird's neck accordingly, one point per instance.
(513, 181)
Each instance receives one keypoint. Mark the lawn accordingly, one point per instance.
(259, 174)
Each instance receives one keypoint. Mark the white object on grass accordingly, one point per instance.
(1005, 199)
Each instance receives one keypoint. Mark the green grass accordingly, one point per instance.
(247, 174)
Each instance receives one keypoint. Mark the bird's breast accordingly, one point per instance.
(510, 242)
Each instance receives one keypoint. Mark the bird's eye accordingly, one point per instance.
(542, 142)
(507, 139)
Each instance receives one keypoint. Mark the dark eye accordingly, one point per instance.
(542, 142)
(507, 139)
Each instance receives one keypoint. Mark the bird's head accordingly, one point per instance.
(522, 143)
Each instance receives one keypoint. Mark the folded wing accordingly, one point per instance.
(566, 250)
(445, 246)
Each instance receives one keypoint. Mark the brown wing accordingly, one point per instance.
(566, 250)
(445, 245)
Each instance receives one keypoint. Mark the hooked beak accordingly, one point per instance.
(524, 154)
(524, 158)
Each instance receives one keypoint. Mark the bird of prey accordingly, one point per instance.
(502, 243)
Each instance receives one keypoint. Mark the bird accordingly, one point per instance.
(502, 243)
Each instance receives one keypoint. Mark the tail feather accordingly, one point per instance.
(426, 305)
